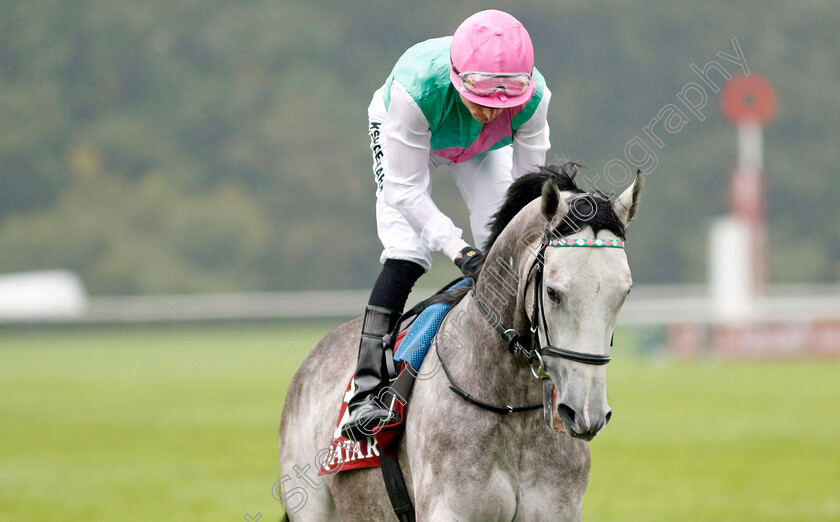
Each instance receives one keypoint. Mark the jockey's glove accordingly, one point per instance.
(469, 260)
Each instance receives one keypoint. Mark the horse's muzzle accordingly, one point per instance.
(582, 426)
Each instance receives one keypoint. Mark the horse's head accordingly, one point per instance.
(558, 251)
(578, 294)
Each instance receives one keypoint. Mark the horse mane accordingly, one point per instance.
(529, 187)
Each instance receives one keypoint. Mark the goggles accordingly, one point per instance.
(487, 84)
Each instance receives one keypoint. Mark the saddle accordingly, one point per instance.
(406, 347)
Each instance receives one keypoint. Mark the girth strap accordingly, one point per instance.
(391, 471)
(395, 485)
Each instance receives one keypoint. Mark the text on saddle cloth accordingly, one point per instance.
(344, 454)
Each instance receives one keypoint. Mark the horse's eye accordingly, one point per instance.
(553, 294)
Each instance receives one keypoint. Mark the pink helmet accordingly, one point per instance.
(492, 60)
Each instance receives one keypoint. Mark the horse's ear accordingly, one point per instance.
(552, 202)
(626, 204)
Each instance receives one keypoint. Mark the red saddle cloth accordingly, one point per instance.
(344, 454)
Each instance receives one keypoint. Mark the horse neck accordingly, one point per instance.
(498, 375)
(500, 291)
(501, 284)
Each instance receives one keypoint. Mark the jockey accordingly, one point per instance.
(474, 102)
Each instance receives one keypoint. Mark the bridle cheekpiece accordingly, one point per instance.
(528, 347)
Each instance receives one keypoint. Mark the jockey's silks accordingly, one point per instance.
(423, 70)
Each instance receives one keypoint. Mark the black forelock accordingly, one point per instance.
(592, 209)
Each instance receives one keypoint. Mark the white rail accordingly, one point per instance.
(646, 305)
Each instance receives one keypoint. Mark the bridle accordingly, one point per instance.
(533, 350)
(528, 346)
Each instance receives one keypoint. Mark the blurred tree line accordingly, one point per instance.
(221, 145)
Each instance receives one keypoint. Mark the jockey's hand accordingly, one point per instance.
(469, 260)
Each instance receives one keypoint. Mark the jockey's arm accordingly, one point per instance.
(405, 188)
(531, 140)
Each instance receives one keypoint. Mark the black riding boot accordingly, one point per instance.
(386, 302)
(366, 413)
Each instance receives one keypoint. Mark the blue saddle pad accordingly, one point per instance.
(419, 337)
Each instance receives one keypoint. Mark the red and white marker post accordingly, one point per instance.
(738, 242)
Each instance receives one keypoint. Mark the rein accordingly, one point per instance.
(528, 347)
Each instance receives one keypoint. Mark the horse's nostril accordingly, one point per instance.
(607, 417)
(567, 414)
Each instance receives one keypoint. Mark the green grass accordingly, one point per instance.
(143, 425)
(734, 441)
(181, 424)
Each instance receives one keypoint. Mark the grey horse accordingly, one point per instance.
(462, 462)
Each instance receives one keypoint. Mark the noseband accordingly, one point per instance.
(528, 347)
